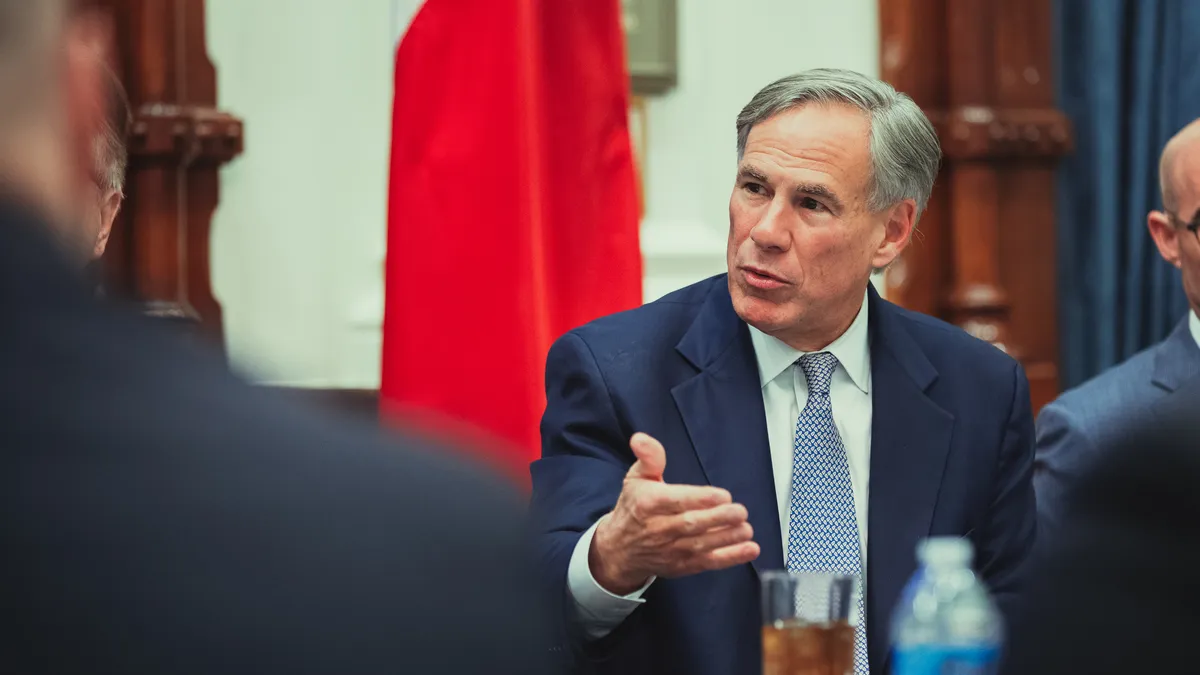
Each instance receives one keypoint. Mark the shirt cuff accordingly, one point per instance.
(599, 611)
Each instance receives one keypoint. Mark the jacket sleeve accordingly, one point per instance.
(585, 455)
(1006, 538)
(1063, 448)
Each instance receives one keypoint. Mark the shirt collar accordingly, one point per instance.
(1193, 323)
(852, 349)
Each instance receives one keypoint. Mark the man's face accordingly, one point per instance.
(1191, 272)
(1189, 255)
(1188, 190)
(1176, 243)
(802, 240)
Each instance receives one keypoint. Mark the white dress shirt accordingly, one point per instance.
(784, 391)
(1194, 324)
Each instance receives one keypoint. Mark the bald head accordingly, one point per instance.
(1172, 229)
(1179, 169)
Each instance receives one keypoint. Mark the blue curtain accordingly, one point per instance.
(1128, 78)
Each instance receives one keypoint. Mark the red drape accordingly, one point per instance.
(513, 213)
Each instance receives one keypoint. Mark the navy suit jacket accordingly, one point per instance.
(1086, 422)
(951, 454)
(157, 515)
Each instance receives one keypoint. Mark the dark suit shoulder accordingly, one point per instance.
(1108, 405)
(651, 328)
(1119, 387)
(949, 347)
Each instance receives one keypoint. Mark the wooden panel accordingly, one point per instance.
(981, 70)
(1023, 54)
(977, 300)
(361, 403)
(916, 280)
(1027, 235)
(968, 69)
(159, 252)
(913, 50)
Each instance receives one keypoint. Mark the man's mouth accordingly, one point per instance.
(761, 278)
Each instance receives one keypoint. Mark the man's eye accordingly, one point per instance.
(812, 204)
(754, 188)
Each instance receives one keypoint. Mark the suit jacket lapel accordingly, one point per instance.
(1177, 359)
(722, 408)
(910, 440)
(1179, 404)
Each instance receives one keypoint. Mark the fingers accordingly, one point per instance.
(678, 529)
(719, 558)
(691, 523)
(730, 556)
(651, 458)
(717, 539)
(664, 499)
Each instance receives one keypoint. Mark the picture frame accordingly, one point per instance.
(651, 44)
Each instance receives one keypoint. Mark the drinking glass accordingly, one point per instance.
(809, 619)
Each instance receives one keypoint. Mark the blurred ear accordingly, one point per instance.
(108, 214)
(897, 232)
(1165, 235)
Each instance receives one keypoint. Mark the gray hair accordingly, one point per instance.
(110, 151)
(905, 153)
(111, 159)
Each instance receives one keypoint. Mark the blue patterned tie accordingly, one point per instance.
(823, 532)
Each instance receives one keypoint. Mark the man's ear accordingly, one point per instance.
(108, 214)
(1166, 236)
(897, 232)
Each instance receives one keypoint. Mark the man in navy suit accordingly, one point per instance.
(1085, 422)
(782, 415)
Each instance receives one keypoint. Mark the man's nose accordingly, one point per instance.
(772, 231)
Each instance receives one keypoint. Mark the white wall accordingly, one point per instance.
(298, 241)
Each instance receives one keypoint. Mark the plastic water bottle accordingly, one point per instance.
(945, 622)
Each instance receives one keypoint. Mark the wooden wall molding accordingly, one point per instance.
(985, 133)
(159, 249)
(185, 135)
(985, 259)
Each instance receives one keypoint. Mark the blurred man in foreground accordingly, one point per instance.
(158, 516)
(1116, 591)
(1086, 421)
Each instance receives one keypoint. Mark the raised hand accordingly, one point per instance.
(661, 530)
